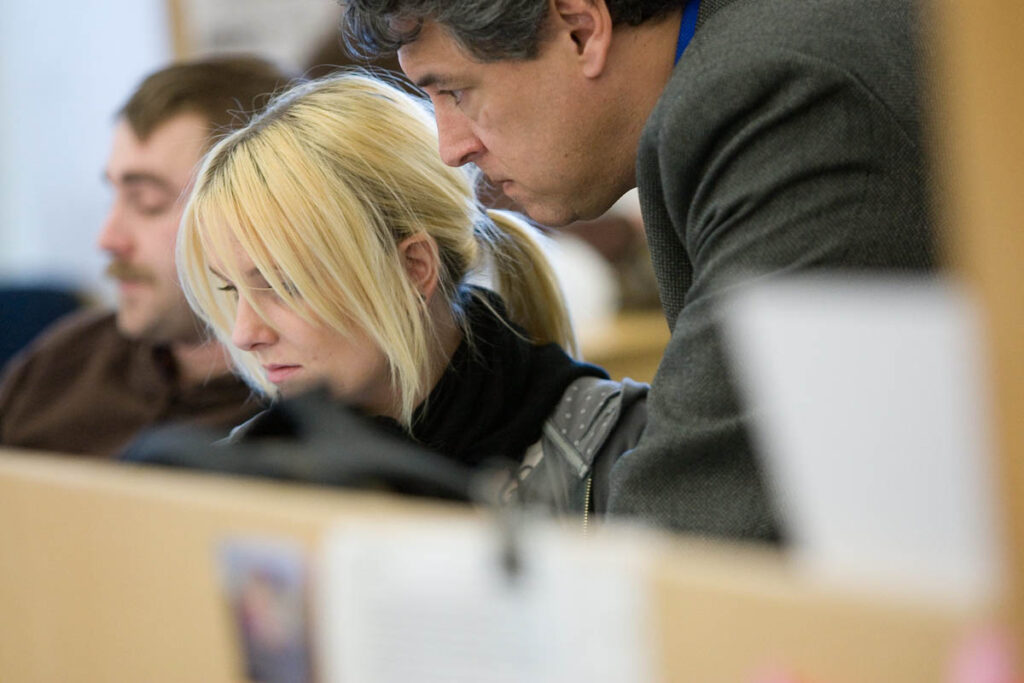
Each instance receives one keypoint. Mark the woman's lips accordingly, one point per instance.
(279, 373)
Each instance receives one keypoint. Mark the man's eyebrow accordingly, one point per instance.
(142, 178)
(432, 79)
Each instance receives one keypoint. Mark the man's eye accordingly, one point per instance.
(148, 203)
(155, 210)
(456, 95)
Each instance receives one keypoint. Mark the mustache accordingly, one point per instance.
(122, 270)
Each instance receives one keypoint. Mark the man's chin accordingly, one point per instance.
(558, 211)
(551, 214)
(130, 327)
(159, 334)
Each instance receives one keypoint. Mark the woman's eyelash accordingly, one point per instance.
(288, 287)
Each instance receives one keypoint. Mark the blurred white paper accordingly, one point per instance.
(432, 602)
(869, 409)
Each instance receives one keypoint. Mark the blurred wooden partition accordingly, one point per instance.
(630, 344)
(979, 132)
(108, 573)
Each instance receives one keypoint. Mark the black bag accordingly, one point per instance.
(311, 439)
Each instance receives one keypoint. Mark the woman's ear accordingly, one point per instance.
(422, 262)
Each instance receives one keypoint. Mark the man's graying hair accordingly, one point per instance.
(488, 30)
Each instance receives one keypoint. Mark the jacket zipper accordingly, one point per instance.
(586, 503)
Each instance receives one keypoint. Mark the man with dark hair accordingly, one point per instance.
(90, 383)
(765, 137)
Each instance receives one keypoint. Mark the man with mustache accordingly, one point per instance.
(92, 381)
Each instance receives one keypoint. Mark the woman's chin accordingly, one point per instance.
(294, 387)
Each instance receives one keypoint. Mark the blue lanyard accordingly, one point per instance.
(687, 27)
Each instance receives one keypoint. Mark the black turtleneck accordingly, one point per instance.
(497, 391)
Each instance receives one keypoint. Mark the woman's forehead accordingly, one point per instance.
(233, 261)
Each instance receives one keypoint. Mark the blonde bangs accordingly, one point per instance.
(332, 241)
(206, 239)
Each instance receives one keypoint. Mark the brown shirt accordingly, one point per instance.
(81, 387)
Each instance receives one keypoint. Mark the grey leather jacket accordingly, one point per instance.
(596, 422)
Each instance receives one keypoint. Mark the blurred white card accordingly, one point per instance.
(434, 602)
(870, 410)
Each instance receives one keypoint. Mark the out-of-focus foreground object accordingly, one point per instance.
(112, 572)
(979, 90)
(870, 411)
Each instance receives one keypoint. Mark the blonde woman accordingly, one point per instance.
(326, 243)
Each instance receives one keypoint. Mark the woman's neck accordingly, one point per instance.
(197, 363)
(448, 335)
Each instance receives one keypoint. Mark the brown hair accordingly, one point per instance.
(224, 90)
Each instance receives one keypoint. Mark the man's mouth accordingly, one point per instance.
(496, 182)
(128, 273)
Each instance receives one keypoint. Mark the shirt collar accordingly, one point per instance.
(687, 27)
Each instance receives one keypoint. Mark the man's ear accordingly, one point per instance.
(422, 262)
(590, 27)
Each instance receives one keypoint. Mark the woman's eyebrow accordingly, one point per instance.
(253, 272)
(217, 274)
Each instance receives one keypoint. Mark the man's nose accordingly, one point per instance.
(457, 142)
(251, 331)
(114, 236)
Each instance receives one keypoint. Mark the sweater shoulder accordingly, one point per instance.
(70, 336)
(72, 328)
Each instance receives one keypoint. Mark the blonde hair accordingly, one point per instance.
(318, 190)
